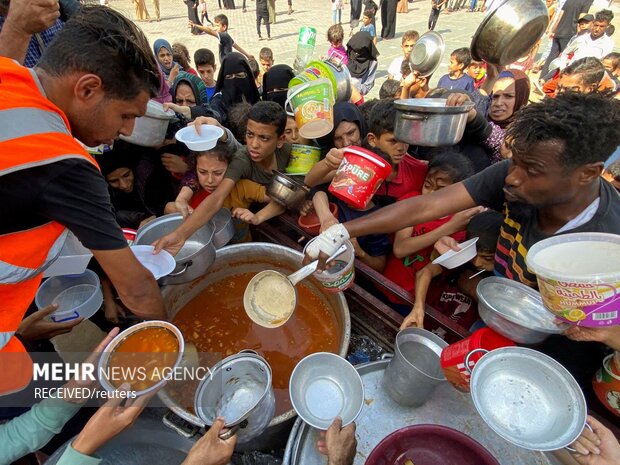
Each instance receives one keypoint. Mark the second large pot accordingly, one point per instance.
(428, 122)
(196, 256)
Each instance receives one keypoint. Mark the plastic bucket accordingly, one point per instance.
(606, 384)
(313, 107)
(130, 235)
(341, 273)
(452, 358)
(579, 277)
(359, 175)
(302, 159)
(315, 70)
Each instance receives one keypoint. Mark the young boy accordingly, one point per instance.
(335, 37)
(265, 58)
(204, 59)
(371, 249)
(413, 246)
(454, 294)
(477, 71)
(407, 43)
(456, 77)
(390, 89)
(226, 42)
(368, 26)
(436, 6)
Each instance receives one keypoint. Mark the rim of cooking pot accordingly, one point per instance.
(156, 110)
(289, 182)
(223, 365)
(431, 106)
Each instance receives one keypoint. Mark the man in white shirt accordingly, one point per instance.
(596, 44)
(408, 41)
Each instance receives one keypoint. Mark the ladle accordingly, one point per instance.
(271, 297)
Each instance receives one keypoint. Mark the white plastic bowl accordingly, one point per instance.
(160, 265)
(206, 140)
(452, 259)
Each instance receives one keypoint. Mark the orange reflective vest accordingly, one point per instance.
(33, 132)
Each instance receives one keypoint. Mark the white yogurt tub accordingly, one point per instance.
(579, 277)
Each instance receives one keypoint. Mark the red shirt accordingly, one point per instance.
(402, 271)
(409, 178)
(197, 198)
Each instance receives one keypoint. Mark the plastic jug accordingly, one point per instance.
(305, 48)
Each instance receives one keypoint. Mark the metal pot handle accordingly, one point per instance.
(410, 117)
(233, 430)
(573, 451)
(179, 273)
(249, 351)
(468, 357)
(178, 424)
(387, 356)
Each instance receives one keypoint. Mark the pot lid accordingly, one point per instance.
(431, 106)
(427, 53)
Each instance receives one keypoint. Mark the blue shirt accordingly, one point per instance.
(38, 42)
(374, 245)
(465, 82)
(370, 29)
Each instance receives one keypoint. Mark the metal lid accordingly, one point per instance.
(427, 53)
(431, 106)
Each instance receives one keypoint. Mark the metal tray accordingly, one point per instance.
(381, 416)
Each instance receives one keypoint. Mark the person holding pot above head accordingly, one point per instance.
(235, 84)
(551, 185)
(362, 54)
(169, 67)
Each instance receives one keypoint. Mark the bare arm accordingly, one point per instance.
(377, 263)
(243, 52)
(135, 285)
(325, 170)
(271, 210)
(489, 82)
(423, 280)
(413, 211)
(207, 29)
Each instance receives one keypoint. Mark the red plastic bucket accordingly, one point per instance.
(453, 357)
(130, 235)
(359, 175)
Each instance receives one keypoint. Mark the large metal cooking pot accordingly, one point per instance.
(528, 398)
(150, 129)
(429, 122)
(254, 257)
(509, 31)
(196, 256)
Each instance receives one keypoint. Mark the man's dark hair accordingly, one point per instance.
(367, 108)
(389, 88)
(380, 153)
(590, 69)
(486, 227)
(222, 19)
(382, 117)
(269, 113)
(101, 41)
(369, 14)
(220, 151)
(457, 165)
(405, 68)
(204, 56)
(462, 55)
(587, 126)
(604, 15)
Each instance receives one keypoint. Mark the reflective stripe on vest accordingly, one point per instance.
(5, 338)
(21, 122)
(13, 274)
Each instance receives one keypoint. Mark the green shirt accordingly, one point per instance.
(242, 166)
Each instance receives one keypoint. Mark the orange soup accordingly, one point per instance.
(143, 358)
(216, 323)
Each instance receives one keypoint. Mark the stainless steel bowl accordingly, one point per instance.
(427, 53)
(515, 311)
(428, 122)
(286, 191)
(509, 31)
(528, 398)
(324, 386)
(224, 228)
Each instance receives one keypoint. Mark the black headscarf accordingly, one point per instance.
(344, 111)
(361, 52)
(235, 90)
(194, 82)
(277, 77)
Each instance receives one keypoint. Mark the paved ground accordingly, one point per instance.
(457, 29)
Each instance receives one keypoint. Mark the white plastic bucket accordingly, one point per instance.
(341, 274)
(579, 277)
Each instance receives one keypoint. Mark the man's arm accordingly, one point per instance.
(25, 18)
(135, 285)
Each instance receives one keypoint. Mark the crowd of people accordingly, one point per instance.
(522, 172)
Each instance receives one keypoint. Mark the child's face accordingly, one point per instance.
(291, 133)
(474, 70)
(165, 57)
(266, 64)
(121, 179)
(454, 66)
(220, 27)
(262, 140)
(366, 20)
(484, 259)
(390, 145)
(210, 171)
(436, 179)
(206, 73)
(408, 47)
